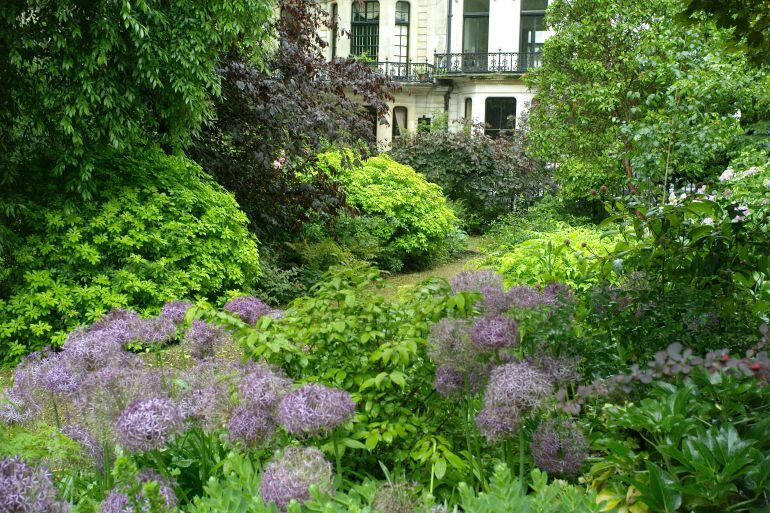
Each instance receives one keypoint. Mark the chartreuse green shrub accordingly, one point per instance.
(406, 214)
(158, 229)
(547, 245)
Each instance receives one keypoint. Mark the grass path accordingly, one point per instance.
(400, 281)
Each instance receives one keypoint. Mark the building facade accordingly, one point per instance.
(464, 58)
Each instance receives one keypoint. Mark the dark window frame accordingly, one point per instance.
(491, 129)
(396, 129)
(365, 33)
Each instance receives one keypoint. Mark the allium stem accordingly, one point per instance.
(521, 462)
(337, 456)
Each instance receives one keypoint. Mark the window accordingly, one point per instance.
(496, 115)
(423, 124)
(401, 52)
(399, 121)
(365, 38)
(475, 34)
(334, 20)
(533, 32)
(468, 109)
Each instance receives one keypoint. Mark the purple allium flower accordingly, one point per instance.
(496, 424)
(248, 308)
(314, 408)
(115, 317)
(106, 392)
(207, 397)
(489, 284)
(154, 330)
(560, 370)
(395, 498)
(175, 311)
(514, 389)
(450, 345)
(262, 388)
(116, 502)
(202, 339)
(14, 409)
(291, 476)
(559, 447)
(252, 426)
(448, 381)
(92, 350)
(148, 424)
(27, 489)
(489, 333)
(57, 377)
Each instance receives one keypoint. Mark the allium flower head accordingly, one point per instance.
(489, 333)
(561, 370)
(395, 498)
(116, 502)
(202, 339)
(26, 489)
(92, 350)
(498, 423)
(248, 308)
(450, 345)
(175, 311)
(450, 382)
(489, 284)
(262, 388)
(290, 477)
(207, 396)
(314, 408)
(252, 426)
(148, 424)
(559, 447)
(153, 330)
(518, 386)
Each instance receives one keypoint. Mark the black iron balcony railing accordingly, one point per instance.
(405, 71)
(497, 62)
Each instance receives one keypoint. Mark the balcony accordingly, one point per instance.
(405, 71)
(473, 63)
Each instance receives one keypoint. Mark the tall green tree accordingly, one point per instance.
(78, 76)
(629, 98)
(750, 20)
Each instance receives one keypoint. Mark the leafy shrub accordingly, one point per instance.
(561, 253)
(506, 494)
(488, 176)
(349, 336)
(698, 443)
(158, 229)
(405, 213)
(694, 269)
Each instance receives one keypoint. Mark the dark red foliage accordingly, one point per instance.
(273, 121)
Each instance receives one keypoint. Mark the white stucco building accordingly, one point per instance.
(463, 57)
